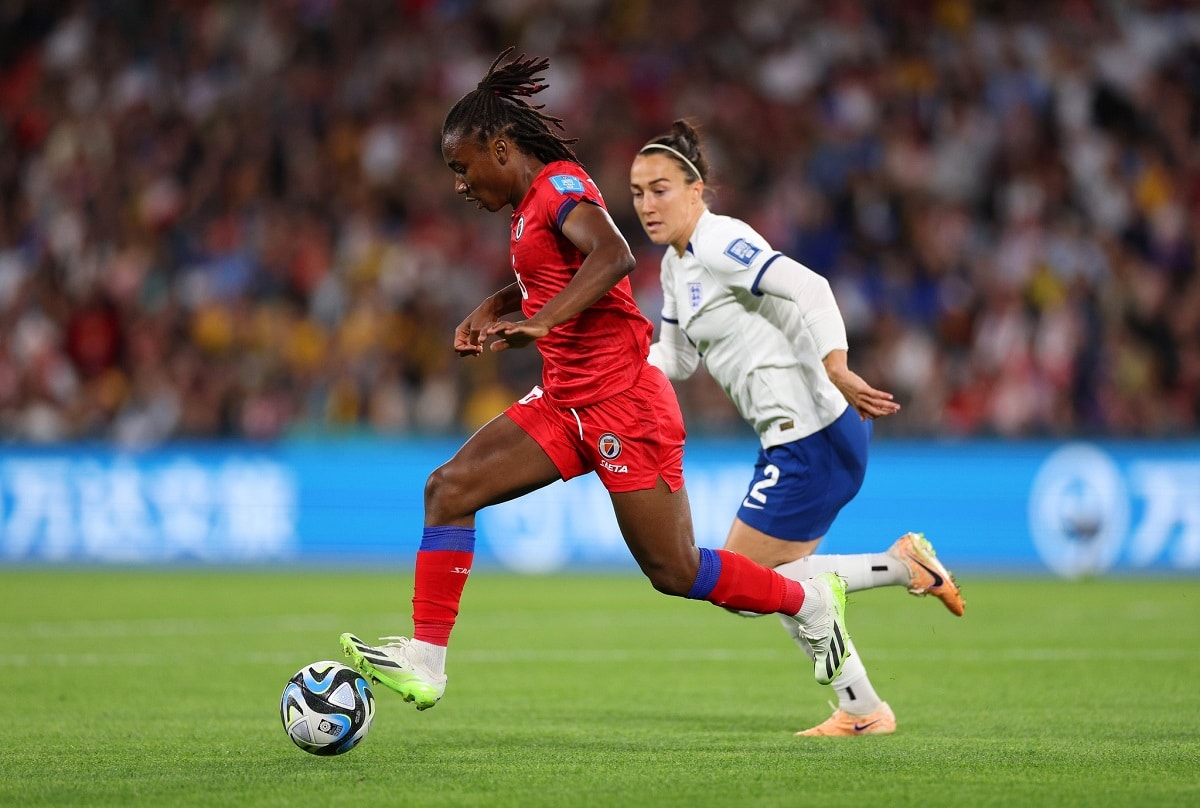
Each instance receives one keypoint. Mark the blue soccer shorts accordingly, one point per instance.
(800, 487)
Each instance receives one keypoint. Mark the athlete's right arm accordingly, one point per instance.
(673, 353)
(469, 336)
(868, 401)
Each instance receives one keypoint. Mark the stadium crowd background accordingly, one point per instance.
(231, 219)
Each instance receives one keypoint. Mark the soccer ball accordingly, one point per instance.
(327, 708)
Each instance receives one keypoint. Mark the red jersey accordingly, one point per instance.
(599, 352)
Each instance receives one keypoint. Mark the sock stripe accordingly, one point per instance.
(461, 539)
(706, 577)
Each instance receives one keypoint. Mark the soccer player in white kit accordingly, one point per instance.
(769, 331)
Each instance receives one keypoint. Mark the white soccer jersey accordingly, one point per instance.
(755, 345)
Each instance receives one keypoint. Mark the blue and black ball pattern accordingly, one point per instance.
(327, 708)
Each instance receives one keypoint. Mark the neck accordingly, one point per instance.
(681, 243)
(526, 172)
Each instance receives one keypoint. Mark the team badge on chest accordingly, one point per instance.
(519, 228)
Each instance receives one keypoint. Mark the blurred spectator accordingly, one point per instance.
(231, 219)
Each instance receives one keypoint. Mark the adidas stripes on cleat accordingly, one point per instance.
(391, 665)
(826, 633)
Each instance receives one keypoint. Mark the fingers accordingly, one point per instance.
(468, 344)
(468, 339)
(876, 408)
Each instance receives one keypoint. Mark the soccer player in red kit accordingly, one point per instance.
(601, 406)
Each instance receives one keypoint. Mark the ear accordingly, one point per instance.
(500, 150)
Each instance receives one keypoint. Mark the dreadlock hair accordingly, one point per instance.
(682, 141)
(497, 105)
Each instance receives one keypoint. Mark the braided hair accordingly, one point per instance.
(683, 139)
(497, 105)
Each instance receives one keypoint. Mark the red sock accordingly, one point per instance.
(443, 564)
(745, 585)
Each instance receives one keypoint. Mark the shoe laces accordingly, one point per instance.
(822, 629)
(394, 641)
(816, 634)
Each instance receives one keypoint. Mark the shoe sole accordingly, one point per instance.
(416, 691)
(850, 733)
(843, 725)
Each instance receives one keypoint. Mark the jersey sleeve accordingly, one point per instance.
(672, 352)
(736, 255)
(566, 190)
(812, 294)
(670, 306)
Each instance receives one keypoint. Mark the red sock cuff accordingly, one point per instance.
(748, 586)
(440, 578)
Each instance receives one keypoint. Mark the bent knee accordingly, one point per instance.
(447, 494)
(675, 580)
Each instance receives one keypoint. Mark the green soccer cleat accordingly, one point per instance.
(826, 632)
(391, 666)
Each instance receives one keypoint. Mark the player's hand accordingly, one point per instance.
(514, 335)
(869, 402)
(471, 333)
(865, 399)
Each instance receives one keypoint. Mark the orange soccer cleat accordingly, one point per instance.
(842, 724)
(929, 577)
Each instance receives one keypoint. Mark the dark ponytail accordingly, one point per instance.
(497, 105)
(684, 139)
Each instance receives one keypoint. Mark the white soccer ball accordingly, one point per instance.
(327, 708)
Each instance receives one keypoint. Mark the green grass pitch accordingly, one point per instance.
(162, 688)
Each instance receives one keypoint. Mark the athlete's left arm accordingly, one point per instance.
(791, 280)
(607, 260)
(810, 292)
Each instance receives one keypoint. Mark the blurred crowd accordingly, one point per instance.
(223, 218)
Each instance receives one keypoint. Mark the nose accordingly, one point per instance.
(460, 185)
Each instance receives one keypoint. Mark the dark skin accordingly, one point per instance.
(501, 462)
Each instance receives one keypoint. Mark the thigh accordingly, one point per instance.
(799, 488)
(558, 431)
(765, 549)
(657, 526)
(499, 462)
(634, 440)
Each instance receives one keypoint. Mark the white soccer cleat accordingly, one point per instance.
(391, 665)
(826, 632)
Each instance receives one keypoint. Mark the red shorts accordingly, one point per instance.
(629, 440)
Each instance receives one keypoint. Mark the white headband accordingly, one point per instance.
(678, 154)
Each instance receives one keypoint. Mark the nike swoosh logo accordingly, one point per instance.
(937, 579)
(860, 727)
(746, 503)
